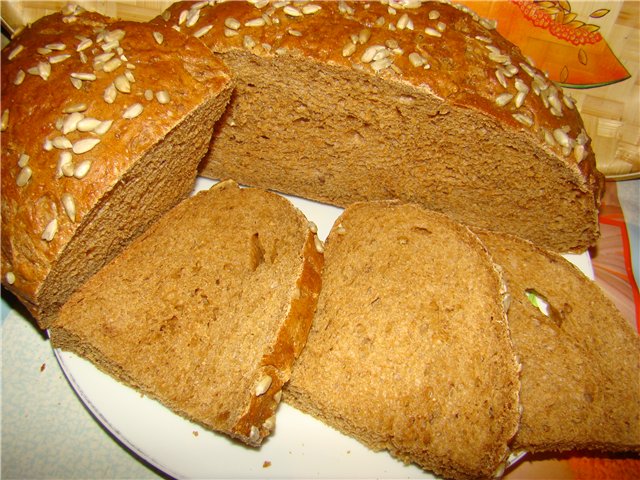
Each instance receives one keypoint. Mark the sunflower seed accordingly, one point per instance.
(44, 70)
(50, 230)
(432, 32)
(4, 121)
(75, 107)
(115, 35)
(579, 152)
(65, 165)
(87, 124)
(569, 102)
(103, 128)
(163, 97)
(561, 137)
(158, 37)
(434, 15)
(61, 143)
(523, 119)
(20, 76)
(58, 58)
(10, 278)
(109, 46)
(501, 78)
(417, 60)
(202, 31)
(122, 84)
(232, 23)
(112, 65)
(84, 44)
(15, 52)
(483, 39)
(90, 77)
(77, 83)
(69, 205)
(82, 169)
(270, 423)
(84, 145)
(503, 99)
(23, 160)
(255, 22)
(192, 18)
(520, 98)
(183, 17)
(71, 122)
(311, 8)
(349, 49)
(318, 244)
(548, 138)
(47, 145)
(404, 22)
(292, 11)
(248, 42)
(110, 94)
(254, 434)
(132, 111)
(371, 52)
(23, 177)
(263, 385)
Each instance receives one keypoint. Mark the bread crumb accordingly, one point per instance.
(42, 367)
(266, 464)
(195, 433)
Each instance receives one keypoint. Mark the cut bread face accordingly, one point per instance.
(207, 310)
(409, 350)
(580, 357)
(423, 102)
(97, 164)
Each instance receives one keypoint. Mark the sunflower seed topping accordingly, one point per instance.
(61, 143)
(132, 111)
(44, 70)
(163, 97)
(311, 8)
(270, 423)
(69, 205)
(203, 31)
(84, 145)
(263, 385)
(23, 177)
(158, 37)
(23, 160)
(348, 49)
(561, 137)
(434, 15)
(110, 93)
(10, 278)
(84, 44)
(89, 77)
(87, 124)
(232, 23)
(82, 169)
(103, 128)
(523, 119)
(122, 84)
(255, 22)
(432, 32)
(192, 17)
(75, 107)
(292, 11)
(50, 230)
(71, 122)
(503, 99)
(248, 42)
(20, 76)
(502, 80)
(4, 121)
(318, 244)
(254, 434)
(65, 165)
(112, 65)
(15, 52)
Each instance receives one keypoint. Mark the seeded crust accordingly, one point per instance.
(409, 350)
(446, 113)
(205, 311)
(62, 221)
(580, 365)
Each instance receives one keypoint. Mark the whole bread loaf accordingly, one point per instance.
(103, 125)
(409, 350)
(580, 357)
(206, 310)
(421, 101)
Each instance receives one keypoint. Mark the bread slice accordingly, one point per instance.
(421, 101)
(104, 124)
(205, 311)
(409, 350)
(580, 360)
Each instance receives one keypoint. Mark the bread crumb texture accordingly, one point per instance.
(410, 329)
(206, 311)
(428, 103)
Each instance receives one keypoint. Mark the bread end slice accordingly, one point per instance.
(206, 311)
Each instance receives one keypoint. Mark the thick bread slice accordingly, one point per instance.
(580, 363)
(104, 123)
(348, 101)
(409, 350)
(206, 310)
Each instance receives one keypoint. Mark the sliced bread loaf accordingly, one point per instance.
(205, 311)
(409, 350)
(103, 125)
(580, 357)
(421, 101)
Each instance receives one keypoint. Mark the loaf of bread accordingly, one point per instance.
(206, 310)
(409, 350)
(421, 101)
(103, 125)
(580, 357)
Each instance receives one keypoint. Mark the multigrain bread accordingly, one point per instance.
(580, 359)
(409, 350)
(103, 125)
(205, 311)
(421, 101)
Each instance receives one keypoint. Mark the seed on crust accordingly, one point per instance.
(122, 84)
(255, 22)
(50, 230)
(4, 121)
(158, 37)
(15, 52)
(110, 93)
(503, 99)
(84, 44)
(163, 97)
(75, 107)
(112, 65)
(523, 119)
(70, 123)
(103, 128)
(318, 244)
(24, 176)
(20, 76)
(23, 160)
(432, 32)
(61, 143)
(65, 165)
(232, 23)
(10, 278)
(44, 70)
(58, 58)
(87, 124)
(69, 205)
(270, 423)
(254, 434)
(310, 9)
(82, 169)
(313, 227)
(348, 49)
(292, 11)
(133, 111)
(561, 137)
(84, 145)
(263, 385)
(202, 31)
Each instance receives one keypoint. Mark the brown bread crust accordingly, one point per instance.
(315, 115)
(196, 318)
(139, 169)
(581, 363)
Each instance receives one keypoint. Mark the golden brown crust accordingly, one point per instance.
(436, 49)
(58, 72)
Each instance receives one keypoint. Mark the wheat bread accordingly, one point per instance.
(103, 125)
(580, 357)
(421, 101)
(409, 350)
(206, 310)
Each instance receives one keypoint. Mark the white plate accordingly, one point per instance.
(301, 447)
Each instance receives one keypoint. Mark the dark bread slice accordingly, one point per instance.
(409, 350)
(580, 363)
(207, 310)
